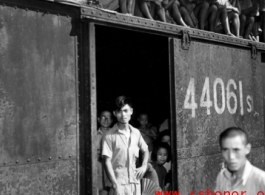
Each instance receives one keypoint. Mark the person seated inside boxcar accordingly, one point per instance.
(249, 10)
(194, 12)
(105, 121)
(161, 155)
(164, 136)
(148, 132)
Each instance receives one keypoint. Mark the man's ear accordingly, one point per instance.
(114, 113)
(132, 110)
(98, 120)
(248, 146)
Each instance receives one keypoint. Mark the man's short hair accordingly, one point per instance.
(121, 101)
(232, 132)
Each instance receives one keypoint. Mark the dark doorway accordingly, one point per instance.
(134, 64)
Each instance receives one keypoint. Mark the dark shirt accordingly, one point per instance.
(161, 173)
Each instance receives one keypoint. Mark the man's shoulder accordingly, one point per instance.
(259, 173)
(135, 130)
(112, 131)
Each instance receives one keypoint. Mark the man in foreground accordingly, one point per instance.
(120, 152)
(239, 175)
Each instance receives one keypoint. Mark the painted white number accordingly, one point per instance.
(241, 98)
(206, 95)
(190, 96)
(221, 109)
(229, 95)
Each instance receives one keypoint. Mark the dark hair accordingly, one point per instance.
(162, 134)
(232, 132)
(121, 101)
(157, 147)
(143, 113)
(100, 113)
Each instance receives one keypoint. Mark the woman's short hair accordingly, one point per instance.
(157, 147)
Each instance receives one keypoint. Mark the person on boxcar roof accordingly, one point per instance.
(233, 11)
(239, 175)
(126, 6)
(262, 18)
(249, 10)
(121, 149)
(105, 121)
(224, 18)
(194, 12)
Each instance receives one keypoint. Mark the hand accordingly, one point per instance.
(139, 172)
(235, 9)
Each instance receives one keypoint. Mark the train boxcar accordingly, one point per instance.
(61, 62)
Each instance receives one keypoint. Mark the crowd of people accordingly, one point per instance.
(158, 144)
(127, 156)
(238, 18)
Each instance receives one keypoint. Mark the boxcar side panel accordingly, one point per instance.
(216, 87)
(38, 109)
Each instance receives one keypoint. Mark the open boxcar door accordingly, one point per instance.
(216, 86)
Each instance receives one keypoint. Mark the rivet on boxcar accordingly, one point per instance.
(4, 163)
(16, 161)
(60, 157)
(50, 158)
(92, 12)
(83, 10)
(109, 15)
(28, 160)
(39, 159)
(70, 156)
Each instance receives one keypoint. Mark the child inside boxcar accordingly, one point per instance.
(161, 155)
(148, 133)
(105, 120)
(249, 10)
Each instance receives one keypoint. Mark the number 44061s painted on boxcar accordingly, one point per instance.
(227, 96)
